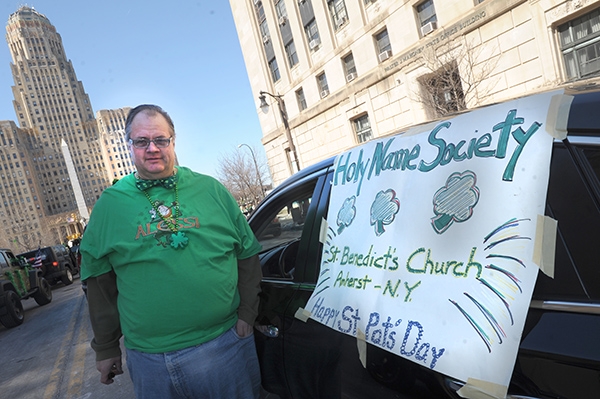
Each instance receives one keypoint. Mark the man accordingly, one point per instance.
(171, 264)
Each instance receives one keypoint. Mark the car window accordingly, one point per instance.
(591, 154)
(571, 201)
(12, 259)
(286, 223)
(280, 224)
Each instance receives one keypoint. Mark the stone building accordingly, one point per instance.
(115, 152)
(53, 165)
(331, 74)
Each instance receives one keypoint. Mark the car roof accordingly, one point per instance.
(309, 170)
(584, 116)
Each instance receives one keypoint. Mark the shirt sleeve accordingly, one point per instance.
(249, 277)
(102, 296)
(93, 248)
(248, 244)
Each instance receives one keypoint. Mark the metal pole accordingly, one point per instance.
(284, 118)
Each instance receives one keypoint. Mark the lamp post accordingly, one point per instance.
(284, 117)
(262, 188)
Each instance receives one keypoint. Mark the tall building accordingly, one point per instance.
(53, 165)
(111, 124)
(21, 212)
(333, 74)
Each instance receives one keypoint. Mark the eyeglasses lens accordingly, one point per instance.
(160, 142)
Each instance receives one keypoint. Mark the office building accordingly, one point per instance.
(332, 74)
(53, 165)
(115, 152)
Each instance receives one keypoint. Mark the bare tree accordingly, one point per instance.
(458, 76)
(244, 177)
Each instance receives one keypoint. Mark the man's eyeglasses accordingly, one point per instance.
(160, 142)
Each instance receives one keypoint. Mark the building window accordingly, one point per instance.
(292, 56)
(301, 99)
(274, 70)
(426, 12)
(281, 11)
(262, 22)
(580, 45)
(384, 48)
(323, 86)
(349, 67)
(264, 30)
(362, 128)
(337, 10)
(312, 34)
(443, 92)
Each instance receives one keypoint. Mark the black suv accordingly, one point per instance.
(55, 262)
(19, 281)
(559, 354)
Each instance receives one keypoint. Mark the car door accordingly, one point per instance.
(560, 351)
(15, 273)
(284, 224)
(299, 357)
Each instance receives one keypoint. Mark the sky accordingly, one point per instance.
(183, 55)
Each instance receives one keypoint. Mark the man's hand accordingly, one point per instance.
(242, 328)
(109, 368)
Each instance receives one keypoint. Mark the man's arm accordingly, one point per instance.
(249, 276)
(102, 296)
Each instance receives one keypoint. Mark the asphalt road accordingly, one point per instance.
(49, 355)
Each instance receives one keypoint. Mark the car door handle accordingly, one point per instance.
(270, 330)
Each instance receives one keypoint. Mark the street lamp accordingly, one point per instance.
(262, 188)
(264, 106)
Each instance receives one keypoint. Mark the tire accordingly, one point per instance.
(14, 310)
(44, 294)
(67, 278)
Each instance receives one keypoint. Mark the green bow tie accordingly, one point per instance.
(168, 183)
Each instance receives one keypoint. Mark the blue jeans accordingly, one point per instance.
(226, 367)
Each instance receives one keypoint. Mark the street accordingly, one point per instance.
(49, 355)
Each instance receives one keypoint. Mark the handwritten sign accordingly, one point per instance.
(431, 235)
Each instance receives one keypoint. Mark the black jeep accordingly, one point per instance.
(55, 263)
(18, 281)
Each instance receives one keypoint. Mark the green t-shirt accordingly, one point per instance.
(170, 299)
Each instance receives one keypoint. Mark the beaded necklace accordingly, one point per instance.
(178, 238)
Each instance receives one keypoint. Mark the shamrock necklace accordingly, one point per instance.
(178, 238)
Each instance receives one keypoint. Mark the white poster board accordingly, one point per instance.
(431, 234)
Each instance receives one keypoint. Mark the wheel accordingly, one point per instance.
(14, 310)
(67, 278)
(44, 294)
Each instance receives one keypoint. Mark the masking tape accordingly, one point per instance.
(558, 116)
(545, 244)
(428, 127)
(302, 314)
(361, 344)
(479, 389)
(323, 232)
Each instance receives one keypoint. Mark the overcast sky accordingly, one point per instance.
(183, 55)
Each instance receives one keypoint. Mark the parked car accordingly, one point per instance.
(559, 354)
(19, 281)
(56, 263)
